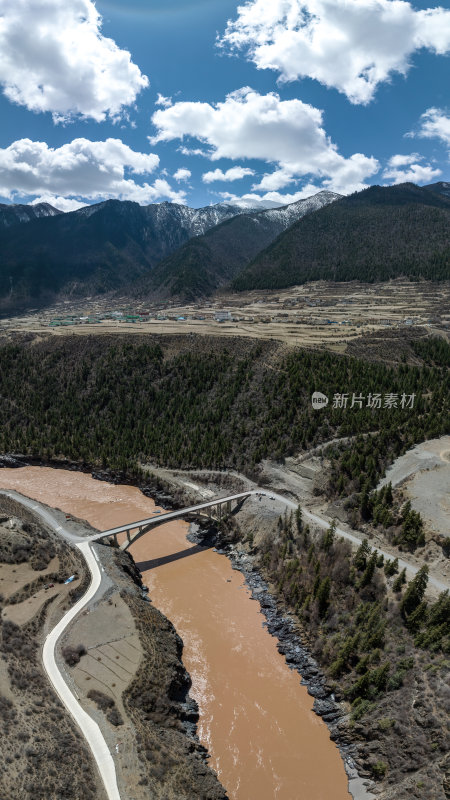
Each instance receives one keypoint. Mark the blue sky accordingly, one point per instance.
(204, 101)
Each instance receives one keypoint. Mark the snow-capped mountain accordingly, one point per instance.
(18, 213)
(287, 215)
(162, 216)
(441, 187)
(96, 248)
(205, 263)
(195, 221)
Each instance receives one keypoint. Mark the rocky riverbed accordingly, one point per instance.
(283, 628)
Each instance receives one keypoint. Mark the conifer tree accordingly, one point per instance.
(361, 555)
(323, 595)
(328, 539)
(414, 592)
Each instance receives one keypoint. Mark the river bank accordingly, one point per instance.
(394, 734)
(301, 753)
(398, 741)
(283, 628)
(116, 656)
(36, 731)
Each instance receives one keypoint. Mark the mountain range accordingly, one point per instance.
(169, 250)
(96, 249)
(17, 213)
(441, 187)
(373, 235)
(209, 262)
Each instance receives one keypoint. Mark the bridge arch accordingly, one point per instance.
(141, 527)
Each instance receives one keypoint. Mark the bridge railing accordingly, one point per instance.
(161, 519)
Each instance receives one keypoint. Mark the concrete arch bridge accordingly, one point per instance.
(213, 509)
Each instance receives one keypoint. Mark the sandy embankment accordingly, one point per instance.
(424, 473)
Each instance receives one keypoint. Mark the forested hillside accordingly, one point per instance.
(208, 262)
(194, 402)
(184, 401)
(95, 249)
(383, 646)
(374, 235)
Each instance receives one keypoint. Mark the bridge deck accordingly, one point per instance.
(158, 518)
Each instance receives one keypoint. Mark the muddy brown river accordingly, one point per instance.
(256, 718)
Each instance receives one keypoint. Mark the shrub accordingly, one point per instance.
(385, 723)
(114, 717)
(361, 707)
(395, 681)
(102, 701)
(379, 769)
(72, 655)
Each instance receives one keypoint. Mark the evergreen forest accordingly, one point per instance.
(118, 402)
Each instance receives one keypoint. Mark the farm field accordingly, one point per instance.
(321, 315)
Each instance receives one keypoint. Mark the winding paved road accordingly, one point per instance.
(411, 569)
(156, 521)
(87, 725)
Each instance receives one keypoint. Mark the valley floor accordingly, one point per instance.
(394, 733)
(333, 316)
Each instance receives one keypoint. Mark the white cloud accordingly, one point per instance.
(165, 102)
(287, 133)
(53, 57)
(80, 170)
(188, 151)
(272, 181)
(402, 169)
(347, 174)
(435, 123)
(182, 174)
(248, 200)
(269, 199)
(351, 45)
(62, 203)
(403, 160)
(232, 174)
